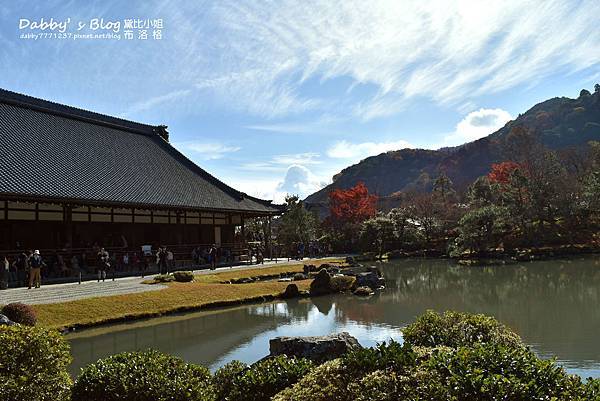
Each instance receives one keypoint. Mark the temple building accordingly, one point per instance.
(71, 178)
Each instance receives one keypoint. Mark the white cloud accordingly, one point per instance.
(299, 180)
(262, 54)
(208, 150)
(296, 180)
(298, 158)
(358, 151)
(478, 124)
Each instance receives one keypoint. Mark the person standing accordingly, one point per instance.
(161, 257)
(21, 265)
(103, 264)
(4, 273)
(35, 274)
(170, 260)
(212, 256)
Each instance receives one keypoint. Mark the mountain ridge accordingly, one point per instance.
(557, 123)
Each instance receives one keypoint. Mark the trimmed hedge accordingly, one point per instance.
(260, 381)
(20, 313)
(143, 376)
(479, 359)
(33, 364)
(455, 329)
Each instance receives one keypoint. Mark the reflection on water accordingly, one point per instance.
(553, 305)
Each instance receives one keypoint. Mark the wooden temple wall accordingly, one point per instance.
(46, 225)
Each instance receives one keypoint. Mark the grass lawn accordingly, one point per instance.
(204, 291)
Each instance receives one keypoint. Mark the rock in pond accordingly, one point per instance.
(321, 283)
(291, 291)
(363, 291)
(370, 279)
(318, 349)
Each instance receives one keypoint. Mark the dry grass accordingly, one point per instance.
(204, 291)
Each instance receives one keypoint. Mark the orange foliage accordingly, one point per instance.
(501, 172)
(352, 205)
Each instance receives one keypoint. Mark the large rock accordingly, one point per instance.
(291, 291)
(4, 321)
(363, 291)
(318, 349)
(321, 284)
(369, 279)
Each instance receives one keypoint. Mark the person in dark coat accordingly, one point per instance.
(162, 256)
(103, 264)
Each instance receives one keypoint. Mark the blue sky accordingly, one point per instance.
(278, 96)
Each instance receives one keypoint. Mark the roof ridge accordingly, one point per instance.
(63, 110)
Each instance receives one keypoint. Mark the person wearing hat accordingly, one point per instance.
(35, 275)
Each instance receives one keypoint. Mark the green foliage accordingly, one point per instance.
(392, 356)
(296, 224)
(226, 377)
(20, 313)
(183, 276)
(262, 380)
(455, 329)
(327, 382)
(33, 364)
(143, 376)
(481, 229)
(495, 372)
(376, 232)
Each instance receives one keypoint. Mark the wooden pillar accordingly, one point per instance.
(68, 222)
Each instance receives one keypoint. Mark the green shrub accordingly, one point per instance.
(225, 378)
(455, 329)
(262, 380)
(143, 376)
(33, 364)
(20, 313)
(183, 277)
(495, 372)
(326, 382)
(392, 356)
(341, 283)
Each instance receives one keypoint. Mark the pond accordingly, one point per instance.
(554, 306)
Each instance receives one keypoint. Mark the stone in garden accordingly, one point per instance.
(363, 291)
(318, 349)
(351, 261)
(299, 276)
(291, 291)
(320, 285)
(369, 279)
(4, 321)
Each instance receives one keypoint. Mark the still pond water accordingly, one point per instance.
(553, 305)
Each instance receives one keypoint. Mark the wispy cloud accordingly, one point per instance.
(279, 163)
(207, 151)
(448, 52)
(150, 103)
(358, 151)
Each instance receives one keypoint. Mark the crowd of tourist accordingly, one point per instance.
(26, 268)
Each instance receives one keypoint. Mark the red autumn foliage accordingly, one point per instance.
(352, 205)
(501, 172)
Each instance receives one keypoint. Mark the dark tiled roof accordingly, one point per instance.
(59, 152)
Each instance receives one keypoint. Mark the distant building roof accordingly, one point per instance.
(62, 153)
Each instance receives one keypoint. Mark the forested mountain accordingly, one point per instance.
(557, 123)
